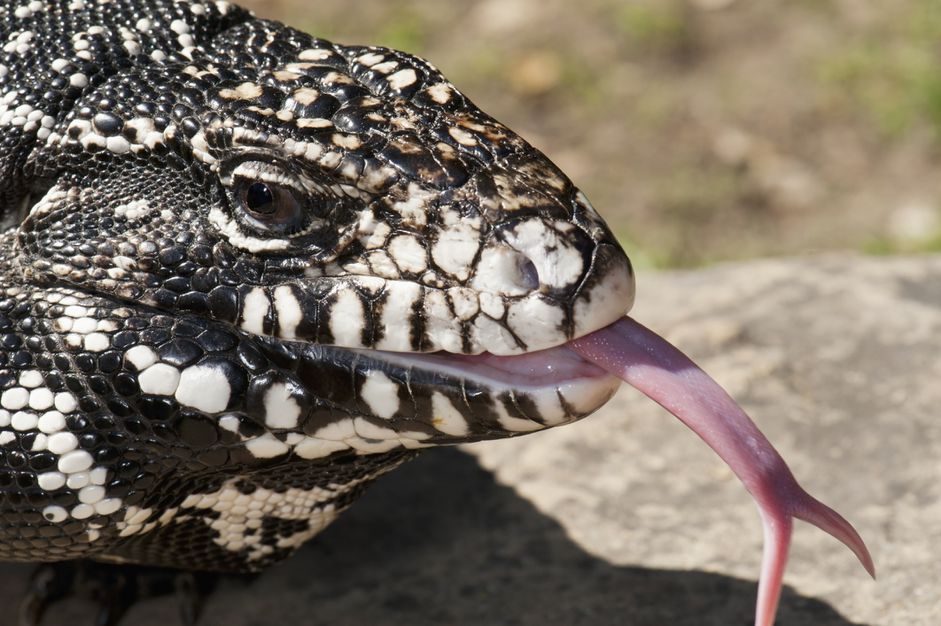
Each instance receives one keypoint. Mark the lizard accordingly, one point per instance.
(245, 271)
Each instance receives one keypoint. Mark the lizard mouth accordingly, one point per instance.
(496, 395)
(543, 368)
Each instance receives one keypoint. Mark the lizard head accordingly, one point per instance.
(348, 209)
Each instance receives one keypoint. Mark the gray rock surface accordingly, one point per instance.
(627, 518)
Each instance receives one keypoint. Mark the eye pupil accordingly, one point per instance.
(260, 198)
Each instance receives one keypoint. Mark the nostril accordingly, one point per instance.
(506, 271)
(529, 275)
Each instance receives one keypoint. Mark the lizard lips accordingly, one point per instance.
(649, 363)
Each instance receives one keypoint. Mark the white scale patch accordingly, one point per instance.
(455, 249)
(408, 254)
(314, 54)
(380, 394)
(498, 272)
(266, 446)
(30, 9)
(204, 388)
(65, 402)
(19, 42)
(414, 207)
(23, 421)
(159, 379)
(402, 78)
(51, 422)
(229, 423)
(31, 378)
(370, 58)
(53, 199)
(147, 137)
(446, 418)
(441, 92)
(462, 136)
(13, 113)
(348, 142)
(245, 91)
(385, 67)
(289, 311)
(397, 314)
(254, 310)
(347, 319)
(55, 514)
(442, 330)
(281, 410)
(135, 521)
(141, 357)
(604, 303)
(97, 342)
(535, 322)
(62, 442)
(314, 448)
(82, 326)
(14, 398)
(464, 301)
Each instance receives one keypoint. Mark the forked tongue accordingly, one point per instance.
(650, 363)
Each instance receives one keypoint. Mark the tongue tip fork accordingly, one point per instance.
(778, 526)
(829, 521)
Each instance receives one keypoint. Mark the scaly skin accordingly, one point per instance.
(196, 369)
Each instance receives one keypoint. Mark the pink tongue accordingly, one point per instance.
(648, 362)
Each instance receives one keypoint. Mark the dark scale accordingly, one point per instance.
(197, 202)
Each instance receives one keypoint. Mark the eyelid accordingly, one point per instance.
(264, 172)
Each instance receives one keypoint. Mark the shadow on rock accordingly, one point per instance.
(440, 542)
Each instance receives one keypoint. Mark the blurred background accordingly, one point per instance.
(703, 130)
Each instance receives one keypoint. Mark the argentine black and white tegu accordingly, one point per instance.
(246, 271)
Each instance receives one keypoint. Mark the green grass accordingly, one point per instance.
(399, 26)
(892, 71)
(406, 29)
(884, 246)
(664, 24)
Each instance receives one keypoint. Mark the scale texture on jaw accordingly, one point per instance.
(246, 271)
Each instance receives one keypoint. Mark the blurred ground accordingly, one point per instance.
(701, 129)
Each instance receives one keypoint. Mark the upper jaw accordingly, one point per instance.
(367, 311)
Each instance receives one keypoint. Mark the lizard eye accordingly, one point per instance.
(271, 208)
(260, 199)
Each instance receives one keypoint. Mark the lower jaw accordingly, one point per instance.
(528, 392)
(371, 399)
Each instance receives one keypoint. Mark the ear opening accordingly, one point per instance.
(13, 214)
